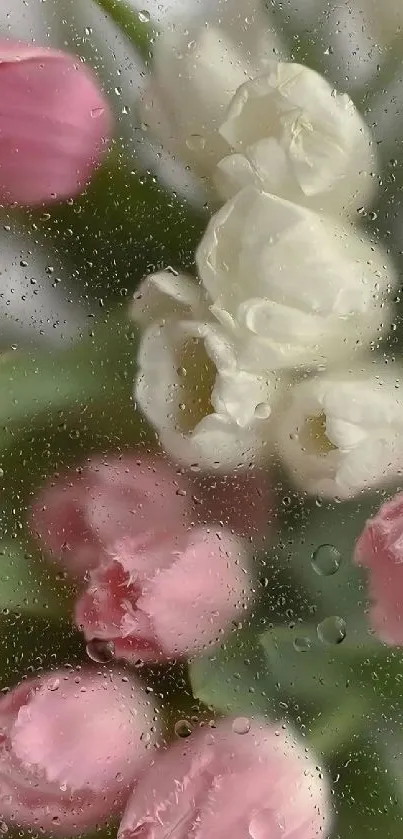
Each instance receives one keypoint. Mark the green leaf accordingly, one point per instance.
(132, 24)
(365, 798)
(29, 587)
(124, 226)
(99, 366)
(336, 526)
(233, 678)
(304, 668)
(31, 642)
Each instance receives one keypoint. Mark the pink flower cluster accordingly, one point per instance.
(158, 577)
(79, 746)
(380, 550)
(55, 124)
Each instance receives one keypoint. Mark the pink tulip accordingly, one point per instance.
(78, 516)
(380, 549)
(72, 745)
(54, 124)
(241, 779)
(169, 598)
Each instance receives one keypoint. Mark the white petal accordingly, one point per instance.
(243, 396)
(268, 263)
(218, 444)
(164, 293)
(282, 337)
(196, 73)
(343, 434)
(158, 390)
(301, 139)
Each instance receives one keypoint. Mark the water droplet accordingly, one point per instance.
(97, 112)
(301, 644)
(144, 16)
(183, 728)
(262, 410)
(143, 829)
(332, 630)
(3, 827)
(326, 560)
(88, 30)
(241, 725)
(54, 684)
(195, 142)
(100, 651)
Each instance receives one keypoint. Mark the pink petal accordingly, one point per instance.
(191, 602)
(54, 124)
(263, 784)
(72, 747)
(380, 549)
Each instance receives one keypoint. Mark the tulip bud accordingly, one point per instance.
(207, 411)
(72, 746)
(168, 599)
(291, 287)
(86, 510)
(293, 135)
(342, 433)
(242, 778)
(54, 124)
(380, 550)
(196, 71)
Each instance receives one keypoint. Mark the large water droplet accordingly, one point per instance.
(241, 725)
(262, 410)
(144, 16)
(195, 142)
(301, 644)
(326, 560)
(183, 728)
(100, 651)
(332, 630)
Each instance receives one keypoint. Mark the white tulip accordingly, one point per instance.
(196, 71)
(205, 409)
(342, 433)
(293, 288)
(293, 135)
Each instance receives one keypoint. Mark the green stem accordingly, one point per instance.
(331, 734)
(140, 32)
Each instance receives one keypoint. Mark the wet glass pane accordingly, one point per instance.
(201, 419)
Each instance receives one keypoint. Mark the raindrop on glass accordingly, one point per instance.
(183, 728)
(332, 630)
(326, 560)
(241, 725)
(262, 410)
(100, 651)
(301, 644)
(195, 142)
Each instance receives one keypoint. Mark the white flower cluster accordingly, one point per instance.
(267, 352)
